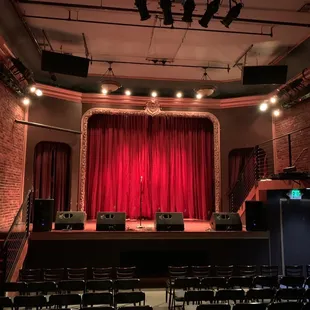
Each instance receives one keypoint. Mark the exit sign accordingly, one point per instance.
(295, 194)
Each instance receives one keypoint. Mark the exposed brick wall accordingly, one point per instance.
(11, 156)
(295, 118)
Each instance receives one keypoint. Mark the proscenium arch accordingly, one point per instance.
(111, 111)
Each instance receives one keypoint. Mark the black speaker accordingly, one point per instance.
(64, 63)
(169, 221)
(111, 221)
(256, 216)
(258, 75)
(226, 221)
(70, 220)
(43, 211)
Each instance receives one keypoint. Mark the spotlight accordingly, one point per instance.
(179, 94)
(26, 101)
(198, 96)
(274, 99)
(127, 92)
(39, 92)
(189, 7)
(104, 91)
(263, 107)
(32, 89)
(232, 14)
(143, 11)
(166, 7)
(154, 94)
(276, 113)
(212, 8)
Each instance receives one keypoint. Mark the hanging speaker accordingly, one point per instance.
(43, 211)
(256, 216)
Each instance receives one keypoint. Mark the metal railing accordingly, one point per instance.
(269, 159)
(15, 239)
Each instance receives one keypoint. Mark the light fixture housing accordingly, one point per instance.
(110, 85)
(212, 9)
(232, 14)
(206, 91)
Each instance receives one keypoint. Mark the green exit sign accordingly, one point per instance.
(295, 194)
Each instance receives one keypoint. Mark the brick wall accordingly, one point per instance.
(11, 156)
(295, 118)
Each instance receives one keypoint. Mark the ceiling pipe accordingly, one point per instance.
(160, 63)
(116, 9)
(145, 26)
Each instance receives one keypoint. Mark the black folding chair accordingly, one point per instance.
(68, 286)
(201, 271)
(251, 306)
(125, 272)
(266, 281)
(224, 271)
(99, 285)
(198, 296)
(30, 302)
(230, 295)
(255, 294)
(294, 271)
(102, 273)
(129, 298)
(289, 294)
(174, 272)
(292, 281)
(41, 288)
(91, 299)
(285, 306)
(20, 287)
(54, 275)
(126, 284)
(247, 270)
(29, 275)
(240, 282)
(213, 282)
(65, 300)
(6, 302)
(270, 271)
(77, 273)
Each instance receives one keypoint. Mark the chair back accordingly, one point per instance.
(129, 298)
(77, 273)
(294, 271)
(199, 296)
(20, 287)
(125, 272)
(213, 282)
(224, 271)
(97, 299)
(6, 302)
(30, 301)
(99, 285)
(240, 281)
(41, 287)
(248, 270)
(260, 294)
(201, 271)
(71, 286)
(271, 271)
(102, 273)
(288, 294)
(54, 275)
(292, 281)
(177, 271)
(186, 283)
(266, 281)
(65, 300)
(29, 275)
(126, 284)
(230, 294)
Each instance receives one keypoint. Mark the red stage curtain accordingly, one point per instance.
(52, 173)
(174, 156)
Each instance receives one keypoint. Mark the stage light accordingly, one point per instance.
(263, 107)
(154, 94)
(26, 101)
(104, 91)
(143, 11)
(32, 89)
(276, 113)
(274, 99)
(212, 8)
(127, 92)
(39, 92)
(232, 14)
(188, 7)
(198, 96)
(166, 7)
(179, 94)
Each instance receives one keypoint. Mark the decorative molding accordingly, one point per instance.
(207, 103)
(83, 155)
(152, 107)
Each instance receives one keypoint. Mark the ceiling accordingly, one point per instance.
(215, 47)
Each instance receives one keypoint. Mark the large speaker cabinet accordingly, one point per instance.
(169, 221)
(111, 221)
(43, 212)
(226, 221)
(70, 220)
(256, 216)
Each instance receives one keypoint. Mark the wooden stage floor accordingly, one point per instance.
(193, 229)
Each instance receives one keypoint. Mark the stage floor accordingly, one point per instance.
(193, 229)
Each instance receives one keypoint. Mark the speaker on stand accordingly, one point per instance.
(43, 211)
(256, 216)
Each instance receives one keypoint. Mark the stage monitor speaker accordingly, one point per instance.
(70, 220)
(111, 221)
(43, 212)
(256, 216)
(169, 221)
(226, 221)
(258, 75)
(64, 63)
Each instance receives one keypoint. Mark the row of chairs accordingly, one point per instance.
(58, 274)
(229, 271)
(65, 300)
(68, 286)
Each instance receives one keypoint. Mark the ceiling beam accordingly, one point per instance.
(117, 9)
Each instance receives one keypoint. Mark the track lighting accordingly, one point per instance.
(26, 101)
(189, 7)
(32, 89)
(143, 11)
(212, 8)
(263, 107)
(39, 92)
(232, 14)
(166, 7)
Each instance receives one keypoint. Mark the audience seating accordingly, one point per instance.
(19, 287)
(91, 299)
(99, 285)
(65, 300)
(294, 271)
(77, 274)
(265, 281)
(30, 275)
(201, 271)
(240, 281)
(213, 282)
(198, 296)
(230, 295)
(224, 271)
(102, 273)
(271, 271)
(289, 294)
(41, 287)
(30, 301)
(126, 284)
(6, 302)
(292, 281)
(54, 275)
(68, 286)
(262, 294)
(174, 272)
(248, 270)
(125, 272)
(129, 298)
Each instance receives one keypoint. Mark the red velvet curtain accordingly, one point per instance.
(173, 155)
(52, 173)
